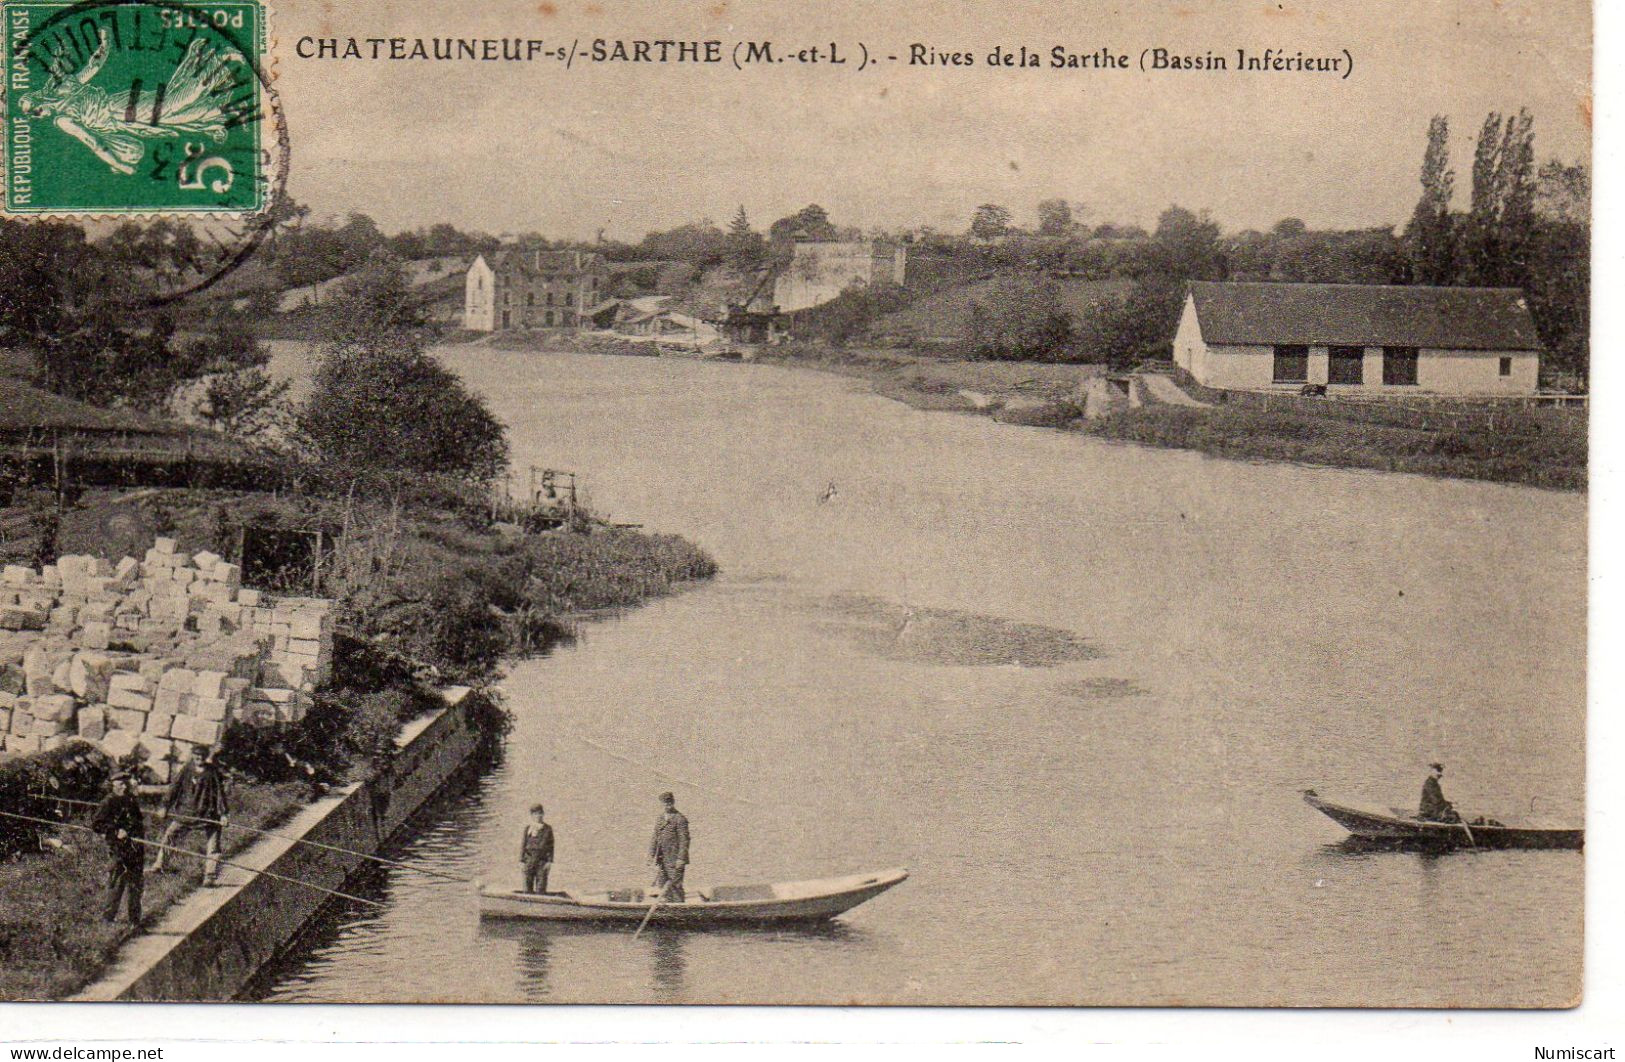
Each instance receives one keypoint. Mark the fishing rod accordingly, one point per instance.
(297, 840)
(218, 859)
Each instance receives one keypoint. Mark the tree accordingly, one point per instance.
(1500, 222)
(811, 221)
(1187, 246)
(382, 403)
(1134, 327)
(1430, 237)
(1021, 318)
(245, 403)
(1289, 228)
(378, 300)
(745, 246)
(990, 222)
(1054, 217)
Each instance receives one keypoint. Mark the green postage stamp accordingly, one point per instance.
(135, 107)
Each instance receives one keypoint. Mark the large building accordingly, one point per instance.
(533, 289)
(819, 270)
(1384, 339)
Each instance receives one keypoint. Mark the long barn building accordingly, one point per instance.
(1382, 339)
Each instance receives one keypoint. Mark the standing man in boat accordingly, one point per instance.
(536, 850)
(668, 850)
(1434, 807)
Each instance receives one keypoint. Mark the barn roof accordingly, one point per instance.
(1365, 315)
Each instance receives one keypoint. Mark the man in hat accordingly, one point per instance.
(668, 850)
(536, 850)
(196, 801)
(1434, 807)
(118, 819)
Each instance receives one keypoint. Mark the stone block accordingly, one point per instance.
(169, 702)
(131, 699)
(92, 722)
(126, 719)
(211, 708)
(96, 635)
(274, 694)
(51, 727)
(165, 545)
(205, 560)
(159, 724)
(179, 679)
(5, 720)
(155, 748)
(180, 727)
(24, 744)
(17, 575)
(22, 721)
(59, 674)
(130, 681)
(18, 618)
(250, 598)
(207, 731)
(57, 707)
(118, 744)
(209, 683)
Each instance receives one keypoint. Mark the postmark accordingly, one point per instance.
(138, 107)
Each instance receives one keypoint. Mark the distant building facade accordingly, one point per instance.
(1382, 338)
(820, 270)
(533, 289)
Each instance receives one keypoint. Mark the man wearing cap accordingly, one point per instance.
(118, 819)
(1434, 807)
(668, 850)
(536, 850)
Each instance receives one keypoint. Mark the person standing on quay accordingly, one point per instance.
(196, 801)
(118, 819)
(669, 850)
(536, 851)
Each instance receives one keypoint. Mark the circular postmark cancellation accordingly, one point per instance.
(143, 109)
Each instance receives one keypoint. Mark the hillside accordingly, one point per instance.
(945, 315)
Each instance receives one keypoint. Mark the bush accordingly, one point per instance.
(1021, 319)
(384, 405)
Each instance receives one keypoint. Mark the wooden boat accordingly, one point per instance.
(768, 904)
(1399, 830)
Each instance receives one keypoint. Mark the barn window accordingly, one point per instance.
(1506, 366)
(1291, 363)
(550, 298)
(570, 300)
(550, 318)
(1399, 366)
(1346, 365)
(530, 298)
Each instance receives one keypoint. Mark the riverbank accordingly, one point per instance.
(211, 945)
(1535, 447)
(422, 595)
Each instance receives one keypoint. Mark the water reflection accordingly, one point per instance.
(670, 966)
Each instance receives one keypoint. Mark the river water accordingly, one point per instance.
(1074, 687)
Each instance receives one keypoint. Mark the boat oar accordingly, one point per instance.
(650, 913)
(219, 859)
(1468, 831)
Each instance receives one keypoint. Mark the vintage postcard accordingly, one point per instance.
(740, 502)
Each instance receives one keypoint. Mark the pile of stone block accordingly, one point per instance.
(153, 656)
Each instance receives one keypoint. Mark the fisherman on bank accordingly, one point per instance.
(1434, 807)
(668, 850)
(196, 801)
(536, 850)
(118, 819)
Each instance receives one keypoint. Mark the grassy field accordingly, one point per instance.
(1536, 447)
(945, 314)
(53, 941)
(927, 382)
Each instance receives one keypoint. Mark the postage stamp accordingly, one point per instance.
(135, 107)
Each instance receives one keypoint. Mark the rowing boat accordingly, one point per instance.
(767, 904)
(1404, 831)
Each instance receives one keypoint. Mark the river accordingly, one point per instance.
(1075, 687)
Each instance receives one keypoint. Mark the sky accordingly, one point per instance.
(629, 148)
